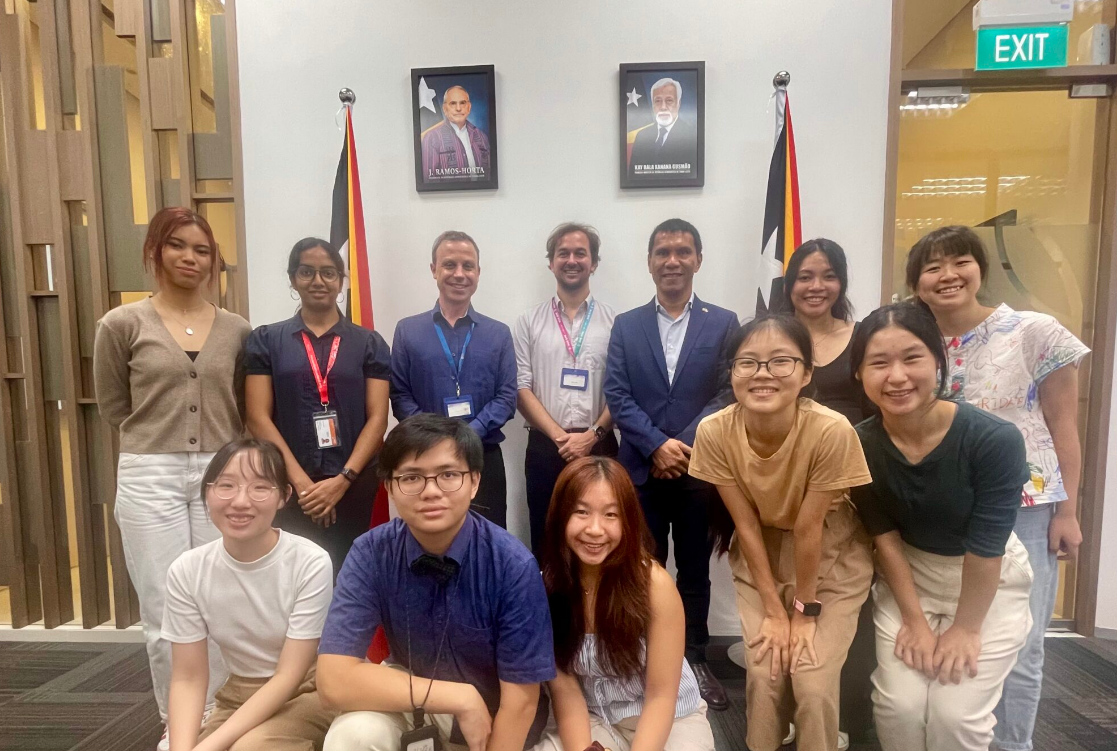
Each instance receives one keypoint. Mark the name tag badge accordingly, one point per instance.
(423, 738)
(459, 406)
(574, 378)
(325, 429)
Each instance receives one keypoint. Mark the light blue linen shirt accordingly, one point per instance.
(672, 332)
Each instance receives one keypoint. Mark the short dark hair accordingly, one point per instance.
(788, 325)
(945, 242)
(453, 235)
(914, 318)
(676, 225)
(310, 243)
(565, 229)
(263, 457)
(842, 308)
(418, 434)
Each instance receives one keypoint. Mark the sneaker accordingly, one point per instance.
(843, 739)
(790, 736)
(164, 741)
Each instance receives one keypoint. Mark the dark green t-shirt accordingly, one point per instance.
(962, 498)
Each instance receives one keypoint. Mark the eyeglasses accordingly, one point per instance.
(328, 273)
(780, 367)
(226, 490)
(447, 482)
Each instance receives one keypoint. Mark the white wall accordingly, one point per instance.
(556, 72)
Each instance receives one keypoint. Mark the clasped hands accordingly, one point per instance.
(573, 446)
(670, 460)
(946, 657)
(789, 641)
(318, 500)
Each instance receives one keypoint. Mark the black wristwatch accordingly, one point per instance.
(600, 432)
(348, 474)
(809, 609)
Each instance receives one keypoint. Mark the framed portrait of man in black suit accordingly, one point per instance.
(662, 124)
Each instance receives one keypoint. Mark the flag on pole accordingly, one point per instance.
(783, 231)
(347, 234)
(347, 228)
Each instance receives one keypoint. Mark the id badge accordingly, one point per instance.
(325, 429)
(459, 406)
(575, 378)
(423, 738)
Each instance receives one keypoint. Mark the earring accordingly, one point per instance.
(294, 294)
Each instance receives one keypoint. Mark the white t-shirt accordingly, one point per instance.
(249, 609)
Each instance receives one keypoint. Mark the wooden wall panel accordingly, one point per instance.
(66, 194)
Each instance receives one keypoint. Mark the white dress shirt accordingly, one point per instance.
(672, 332)
(463, 136)
(541, 355)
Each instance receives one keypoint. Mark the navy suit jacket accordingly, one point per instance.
(649, 410)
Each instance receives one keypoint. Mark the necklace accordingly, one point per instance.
(186, 327)
(824, 337)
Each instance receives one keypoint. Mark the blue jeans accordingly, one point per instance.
(1016, 712)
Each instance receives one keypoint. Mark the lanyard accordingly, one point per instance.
(323, 390)
(456, 370)
(576, 347)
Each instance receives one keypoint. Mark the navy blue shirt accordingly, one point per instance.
(499, 620)
(277, 350)
(422, 378)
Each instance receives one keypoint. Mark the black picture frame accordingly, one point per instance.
(637, 116)
(436, 170)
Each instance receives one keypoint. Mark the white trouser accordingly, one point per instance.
(914, 713)
(161, 515)
(380, 731)
(690, 733)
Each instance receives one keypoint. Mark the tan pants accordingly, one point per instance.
(914, 713)
(811, 696)
(299, 725)
(690, 733)
(380, 731)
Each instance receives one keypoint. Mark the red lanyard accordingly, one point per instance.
(323, 390)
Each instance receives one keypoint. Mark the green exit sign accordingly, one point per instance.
(1014, 47)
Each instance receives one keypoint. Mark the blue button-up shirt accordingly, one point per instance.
(422, 378)
(277, 350)
(672, 332)
(494, 611)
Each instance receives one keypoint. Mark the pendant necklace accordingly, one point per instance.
(186, 327)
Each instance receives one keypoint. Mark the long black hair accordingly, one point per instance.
(721, 522)
(914, 318)
(842, 308)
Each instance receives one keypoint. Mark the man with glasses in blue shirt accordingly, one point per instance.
(455, 362)
(462, 605)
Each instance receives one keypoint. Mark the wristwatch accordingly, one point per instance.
(811, 609)
(348, 474)
(599, 431)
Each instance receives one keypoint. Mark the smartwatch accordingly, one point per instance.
(810, 609)
(600, 432)
(349, 475)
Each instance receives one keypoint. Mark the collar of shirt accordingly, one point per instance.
(436, 314)
(457, 549)
(461, 130)
(300, 325)
(584, 306)
(663, 311)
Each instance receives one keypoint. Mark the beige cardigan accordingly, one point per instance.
(160, 401)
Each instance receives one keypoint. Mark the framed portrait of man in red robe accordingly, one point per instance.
(454, 115)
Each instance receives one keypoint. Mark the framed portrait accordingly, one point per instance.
(454, 113)
(662, 124)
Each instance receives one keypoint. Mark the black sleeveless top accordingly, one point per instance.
(833, 386)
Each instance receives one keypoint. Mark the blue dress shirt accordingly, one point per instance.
(672, 331)
(422, 379)
(494, 611)
(277, 350)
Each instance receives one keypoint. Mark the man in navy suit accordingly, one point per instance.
(667, 370)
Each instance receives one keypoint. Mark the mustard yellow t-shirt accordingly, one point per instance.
(822, 452)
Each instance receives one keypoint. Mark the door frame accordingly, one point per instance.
(1100, 389)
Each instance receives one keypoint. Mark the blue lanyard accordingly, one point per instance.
(456, 370)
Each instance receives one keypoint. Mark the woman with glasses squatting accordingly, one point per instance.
(783, 466)
(317, 387)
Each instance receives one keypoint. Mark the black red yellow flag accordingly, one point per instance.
(347, 228)
(783, 231)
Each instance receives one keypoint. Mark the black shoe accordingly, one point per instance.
(710, 688)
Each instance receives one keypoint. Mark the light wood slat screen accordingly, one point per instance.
(111, 110)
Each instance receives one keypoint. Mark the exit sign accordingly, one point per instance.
(1015, 47)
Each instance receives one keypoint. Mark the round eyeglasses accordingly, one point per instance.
(780, 367)
(226, 490)
(447, 481)
(328, 273)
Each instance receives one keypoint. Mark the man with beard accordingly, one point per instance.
(455, 362)
(561, 346)
(455, 148)
(669, 140)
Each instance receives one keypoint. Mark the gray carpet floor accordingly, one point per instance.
(97, 697)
